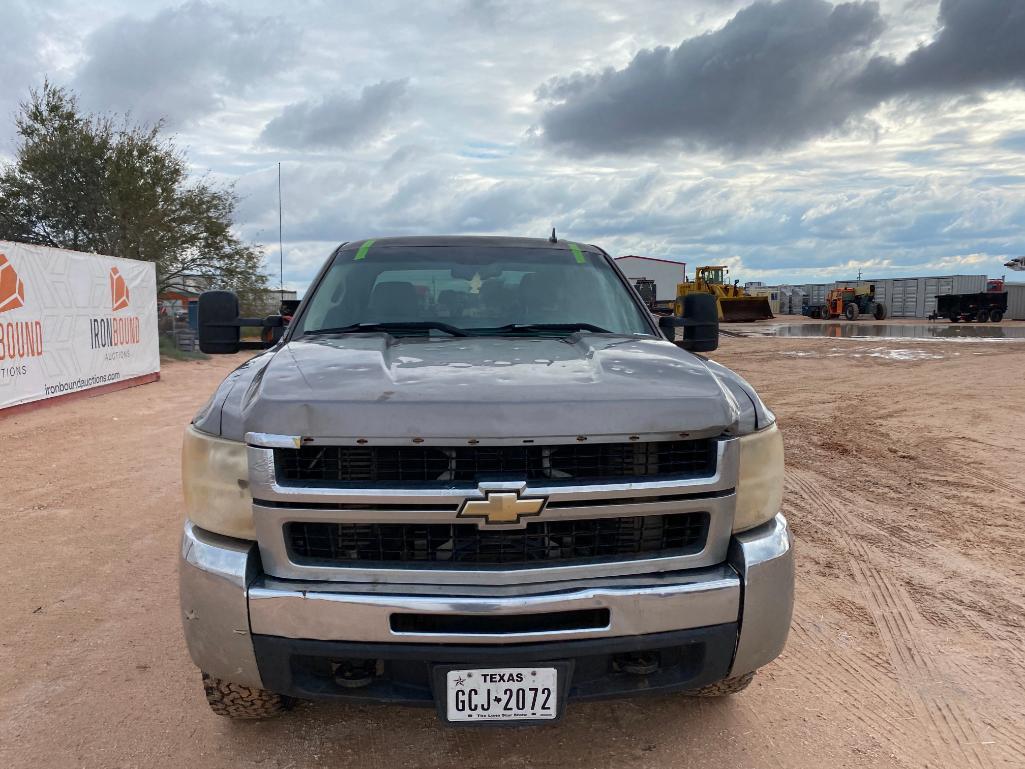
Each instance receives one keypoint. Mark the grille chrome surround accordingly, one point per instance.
(277, 504)
(456, 545)
(578, 462)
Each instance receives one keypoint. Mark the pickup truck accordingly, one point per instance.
(477, 474)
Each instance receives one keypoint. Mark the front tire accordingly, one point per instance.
(724, 687)
(851, 311)
(243, 702)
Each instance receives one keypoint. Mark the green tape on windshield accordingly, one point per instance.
(362, 253)
(577, 253)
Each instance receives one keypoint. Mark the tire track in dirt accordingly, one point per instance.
(985, 606)
(875, 702)
(962, 486)
(1013, 739)
(985, 477)
(973, 483)
(949, 728)
(873, 678)
(819, 666)
(941, 556)
(894, 615)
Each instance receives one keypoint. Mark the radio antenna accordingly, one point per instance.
(281, 250)
(553, 239)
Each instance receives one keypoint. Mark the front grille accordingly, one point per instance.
(470, 464)
(540, 543)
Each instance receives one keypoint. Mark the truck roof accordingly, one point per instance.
(441, 241)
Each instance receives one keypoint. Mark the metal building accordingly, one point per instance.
(665, 272)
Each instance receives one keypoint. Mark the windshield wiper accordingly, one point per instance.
(411, 325)
(527, 327)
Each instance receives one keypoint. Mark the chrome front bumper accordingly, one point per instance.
(225, 600)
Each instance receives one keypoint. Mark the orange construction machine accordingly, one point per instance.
(850, 302)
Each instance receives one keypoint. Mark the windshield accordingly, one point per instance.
(474, 289)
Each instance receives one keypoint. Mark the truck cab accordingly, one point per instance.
(476, 474)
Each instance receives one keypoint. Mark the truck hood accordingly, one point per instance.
(376, 386)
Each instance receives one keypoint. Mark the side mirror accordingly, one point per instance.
(700, 324)
(219, 331)
(220, 327)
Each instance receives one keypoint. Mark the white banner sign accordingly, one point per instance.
(71, 321)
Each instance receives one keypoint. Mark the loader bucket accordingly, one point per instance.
(744, 308)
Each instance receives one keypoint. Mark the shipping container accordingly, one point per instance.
(916, 297)
(884, 288)
(789, 300)
(796, 300)
(951, 284)
(904, 298)
(816, 292)
(1015, 301)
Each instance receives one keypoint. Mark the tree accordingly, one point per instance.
(93, 183)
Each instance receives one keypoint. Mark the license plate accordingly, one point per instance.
(502, 694)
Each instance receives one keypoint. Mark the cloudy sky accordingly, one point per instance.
(794, 140)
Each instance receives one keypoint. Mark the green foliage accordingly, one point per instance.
(91, 183)
(168, 349)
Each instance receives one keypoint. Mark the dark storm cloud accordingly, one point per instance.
(774, 75)
(337, 120)
(779, 74)
(180, 63)
(981, 44)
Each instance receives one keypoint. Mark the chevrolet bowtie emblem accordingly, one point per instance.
(500, 507)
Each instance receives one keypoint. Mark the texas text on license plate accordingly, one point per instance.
(502, 694)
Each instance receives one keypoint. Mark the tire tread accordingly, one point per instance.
(724, 687)
(238, 701)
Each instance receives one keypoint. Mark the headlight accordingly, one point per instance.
(215, 477)
(760, 486)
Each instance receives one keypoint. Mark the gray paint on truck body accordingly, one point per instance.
(488, 387)
(360, 385)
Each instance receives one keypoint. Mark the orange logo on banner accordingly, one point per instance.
(118, 290)
(12, 289)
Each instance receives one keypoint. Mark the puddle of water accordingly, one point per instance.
(882, 352)
(964, 332)
(869, 352)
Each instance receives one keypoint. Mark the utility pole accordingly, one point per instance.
(281, 250)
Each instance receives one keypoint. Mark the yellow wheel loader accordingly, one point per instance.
(733, 302)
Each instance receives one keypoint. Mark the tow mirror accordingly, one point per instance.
(220, 327)
(700, 324)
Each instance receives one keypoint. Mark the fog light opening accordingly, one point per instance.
(638, 663)
(355, 674)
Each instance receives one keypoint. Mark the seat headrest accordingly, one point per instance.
(393, 301)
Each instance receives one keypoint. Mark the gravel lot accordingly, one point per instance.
(905, 490)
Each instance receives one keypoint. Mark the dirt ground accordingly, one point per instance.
(904, 488)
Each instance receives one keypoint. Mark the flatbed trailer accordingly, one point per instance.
(981, 307)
